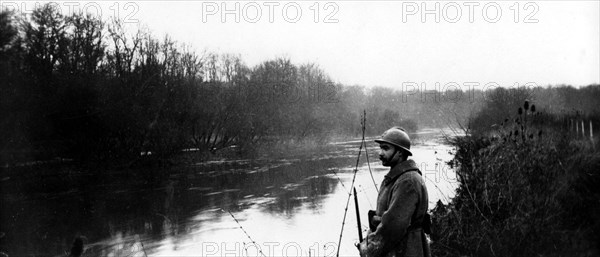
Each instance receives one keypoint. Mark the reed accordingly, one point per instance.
(245, 232)
(363, 124)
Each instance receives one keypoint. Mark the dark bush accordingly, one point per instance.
(522, 196)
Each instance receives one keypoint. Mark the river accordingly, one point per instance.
(291, 206)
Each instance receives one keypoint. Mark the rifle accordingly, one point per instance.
(360, 237)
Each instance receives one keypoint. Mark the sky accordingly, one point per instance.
(386, 43)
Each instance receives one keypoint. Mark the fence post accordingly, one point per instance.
(591, 131)
(582, 129)
(570, 125)
(592, 136)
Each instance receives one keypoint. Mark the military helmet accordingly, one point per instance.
(396, 136)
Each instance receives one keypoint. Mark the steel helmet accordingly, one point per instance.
(397, 137)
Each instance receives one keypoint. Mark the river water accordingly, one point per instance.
(291, 206)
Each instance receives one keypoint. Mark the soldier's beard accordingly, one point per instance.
(386, 161)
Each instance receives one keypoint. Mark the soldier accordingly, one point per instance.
(396, 227)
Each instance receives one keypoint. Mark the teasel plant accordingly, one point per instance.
(519, 129)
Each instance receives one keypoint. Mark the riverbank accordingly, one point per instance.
(532, 191)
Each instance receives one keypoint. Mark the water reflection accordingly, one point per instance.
(286, 206)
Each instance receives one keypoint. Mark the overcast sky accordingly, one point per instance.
(386, 43)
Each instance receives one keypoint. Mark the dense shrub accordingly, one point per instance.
(526, 188)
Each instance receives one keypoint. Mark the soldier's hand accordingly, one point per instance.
(361, 251)
(374, 222)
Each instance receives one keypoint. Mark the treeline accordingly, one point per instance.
(78, 87)
(564, 103)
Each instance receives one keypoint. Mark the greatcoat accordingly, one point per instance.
(401, 204)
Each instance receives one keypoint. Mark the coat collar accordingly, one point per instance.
(402, 168)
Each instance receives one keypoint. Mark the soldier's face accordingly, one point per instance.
(388, 154)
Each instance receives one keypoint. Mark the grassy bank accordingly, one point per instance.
(527, 187)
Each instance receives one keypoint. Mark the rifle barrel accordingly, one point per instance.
(360, 237)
